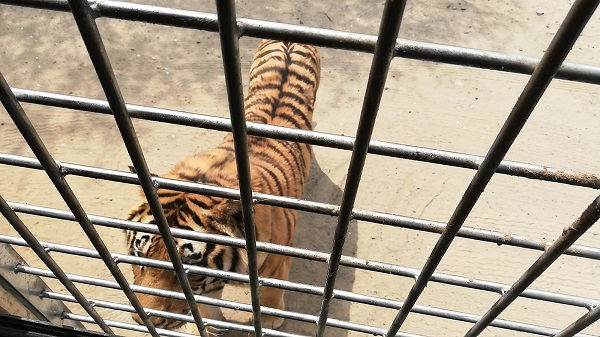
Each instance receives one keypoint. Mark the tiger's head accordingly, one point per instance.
(189, 212)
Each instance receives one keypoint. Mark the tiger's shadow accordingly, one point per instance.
(316, 232)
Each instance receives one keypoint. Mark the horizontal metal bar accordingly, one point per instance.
(35, 245)
(425, 310)
(309, 206)
(569, 235)
(425, 51)
(287, 285)
(22, 292)
(127, 326)
(537, 84)
(216, 302)
(169, 315)
(52, 169)
(434, 156)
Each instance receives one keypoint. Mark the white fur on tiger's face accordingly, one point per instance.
(284, 78)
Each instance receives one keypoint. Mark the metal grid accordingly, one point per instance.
(384, 47)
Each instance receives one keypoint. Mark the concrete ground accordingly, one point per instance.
(425, 104)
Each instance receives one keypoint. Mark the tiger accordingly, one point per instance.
(283, 82)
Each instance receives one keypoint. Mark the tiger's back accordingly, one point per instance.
(284, 79)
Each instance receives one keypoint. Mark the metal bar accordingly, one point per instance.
(384, 52)
(128, 326)
(82, 14)
(338, 294)
(441, 157)
(54, 172)
(324, 37)
(215, 302)
(498, 238)
(229, 36)
(581, 323)
(35, 245)
(425, 310)
(568, 237)
(170, 315)
(542, 76)
(19, 293)
(301, 253)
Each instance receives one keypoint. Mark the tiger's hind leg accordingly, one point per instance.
(273, 297)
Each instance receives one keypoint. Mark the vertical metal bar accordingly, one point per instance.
(533, 91)
(82, 12)
(37, 247)
(228, 31)
(580, 324)
(384, 52)
(54, 172)
(568, 237)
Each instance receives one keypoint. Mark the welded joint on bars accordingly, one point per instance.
(17, 268)
(95, 9)
(239, 29)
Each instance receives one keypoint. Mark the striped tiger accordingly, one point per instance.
(284, 78)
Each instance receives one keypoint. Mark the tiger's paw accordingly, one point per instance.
(271, 322)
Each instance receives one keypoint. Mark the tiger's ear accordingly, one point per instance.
(231, 214)
(133, 170)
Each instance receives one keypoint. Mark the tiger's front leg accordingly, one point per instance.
(273, 297)
(210, 312)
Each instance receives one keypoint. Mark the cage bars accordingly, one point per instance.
(561, 45)
(568, 237)
(323, 37)
(303, 205)
(90, 34)
(384, 52)
(287, 285)
(20, 227)
(408, 49)
(427, 155)
(290, 251)
(54, 172)
(581, 323)
(229, 35)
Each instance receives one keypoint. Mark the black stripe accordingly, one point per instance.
(235, 259)
(218, 259)
(310, 54)
(175, 204)
(273, 68)
(264, 60)
(165, 193)
(199, 203)
(289, 118)
(263, 86)
(296, 150)
(292, 95)
(252, 116)
(272, 145)
(297, 113)
(310, 69)
(304, 79)
(218, 164)
(273, 176)
(263, 52)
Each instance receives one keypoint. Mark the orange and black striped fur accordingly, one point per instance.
(284, 78)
